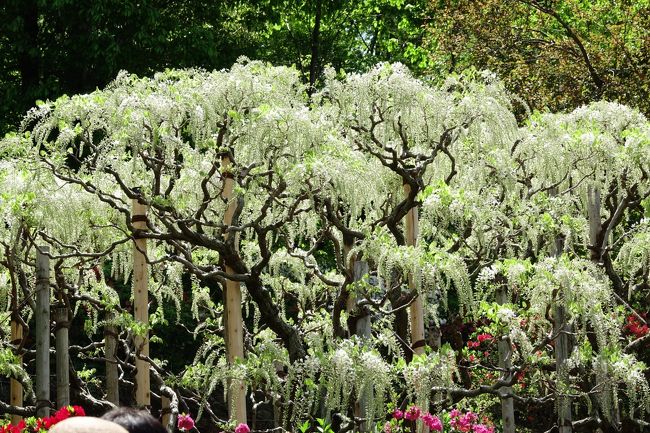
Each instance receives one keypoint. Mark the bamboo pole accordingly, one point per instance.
(42, 331)
(15, 387)
(141, 305)
(417, 307)
(61, 318)
(110, 348)
(505, 356)
(232, 311)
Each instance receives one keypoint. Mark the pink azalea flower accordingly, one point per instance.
(455, 413)
(185, 422)
(481, 428)
(433, 422)
(398, 414)
(413, 413)
(387, 427)
(242, 428)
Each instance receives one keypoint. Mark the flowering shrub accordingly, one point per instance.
(37, 425)
(185, 422)
(453, 422)
(242, 428)
(635, 327)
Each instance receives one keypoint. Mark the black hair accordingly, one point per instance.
(134, 420)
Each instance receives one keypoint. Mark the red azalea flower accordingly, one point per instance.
(61, 414)
(78, 411)
(484, 337)
(49, 421)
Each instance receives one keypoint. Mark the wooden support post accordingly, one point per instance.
(417, 307)
(562, 353)
(42, 331)
(505, 362)
(110, 348)
(61, 318)
(165, 410)
(15, 387)
(232, 297)
(141, 305)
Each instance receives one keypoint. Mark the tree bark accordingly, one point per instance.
(505, 355)
(110, 349)
(15, 387)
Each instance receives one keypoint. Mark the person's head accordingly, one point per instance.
(86, 424)
(134, 420)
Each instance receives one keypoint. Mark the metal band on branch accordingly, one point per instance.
(139, 218)
(419, 343)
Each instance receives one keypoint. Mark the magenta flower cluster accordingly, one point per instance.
(185, 422)
(413, 413)
(467, 422)
(458, 422)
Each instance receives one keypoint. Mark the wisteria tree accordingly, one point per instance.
(492, 264)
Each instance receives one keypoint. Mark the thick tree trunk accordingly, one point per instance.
(363, 329)
(110, 349)
(141, 305)
(42, 316)
(505, 355)
(562, 352)
(598, 241)
(15, 387)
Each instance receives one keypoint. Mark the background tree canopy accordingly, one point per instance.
(554, 54)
